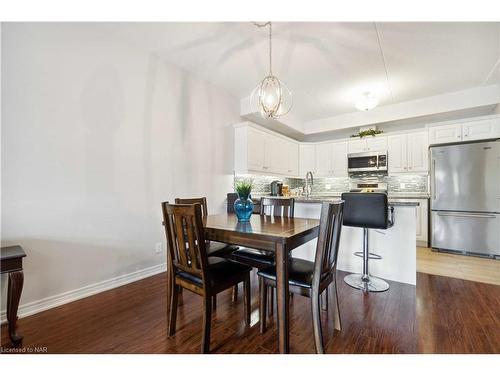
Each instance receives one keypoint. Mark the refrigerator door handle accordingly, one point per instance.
(487, 216)
(433, 185)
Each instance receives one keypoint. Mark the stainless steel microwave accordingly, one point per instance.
(367, 162)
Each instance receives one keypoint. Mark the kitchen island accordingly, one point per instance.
(396, 245)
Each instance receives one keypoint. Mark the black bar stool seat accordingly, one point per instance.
(367, 211)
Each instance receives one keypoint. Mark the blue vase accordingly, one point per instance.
(243, 207)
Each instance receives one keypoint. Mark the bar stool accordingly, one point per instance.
(367, 211)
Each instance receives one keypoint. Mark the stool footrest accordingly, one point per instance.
(370, 255)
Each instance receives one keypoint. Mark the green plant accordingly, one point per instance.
(243, 187)
(365, 133)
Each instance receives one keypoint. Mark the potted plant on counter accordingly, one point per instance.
(243, 206)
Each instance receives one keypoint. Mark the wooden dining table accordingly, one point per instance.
(276, 234)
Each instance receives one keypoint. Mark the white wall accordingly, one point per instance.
(95, 134)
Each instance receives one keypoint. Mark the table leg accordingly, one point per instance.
(16, 280)
(282, 296)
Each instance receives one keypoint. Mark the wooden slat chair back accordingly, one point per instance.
(186, 241)
(202, 201)
(190, 268)
(278, 207)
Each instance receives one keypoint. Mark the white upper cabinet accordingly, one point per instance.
(473, 130)
(331, 159)
(292, 159)
(377, 143)
(445, 134)
(408, 153)
(323, 159)
(278, 152)
(260, 151)
(256, 145)
(397, 153)
(418, 152)
(307, 159)
(339, 159)
(483, 129)
(356, 145)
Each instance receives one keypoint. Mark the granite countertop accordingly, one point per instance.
(333, 198)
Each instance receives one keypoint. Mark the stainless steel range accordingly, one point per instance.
(465, 198)
(368, 187)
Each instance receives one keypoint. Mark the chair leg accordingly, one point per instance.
(174, 298)
(334, 303)
(214, 302)
(324, 300)
(270, 295)
(247, 303)
(207, 322)
(235, 293)
(169, 292)
(262, 304)
(316, 318)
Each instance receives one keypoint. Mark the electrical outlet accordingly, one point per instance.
(159, 248)
(402, 185)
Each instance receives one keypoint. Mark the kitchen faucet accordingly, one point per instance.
(307, 188)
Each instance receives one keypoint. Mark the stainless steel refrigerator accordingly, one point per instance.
(465, 198)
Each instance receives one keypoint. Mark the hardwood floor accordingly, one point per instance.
(452, 315)
(460, 266)
(457, 316)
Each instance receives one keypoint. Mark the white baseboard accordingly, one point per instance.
(47, 303)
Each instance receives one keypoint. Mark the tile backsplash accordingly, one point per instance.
(332, 185)
(262, 184)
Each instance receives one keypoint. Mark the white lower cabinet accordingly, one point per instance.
(422, 218)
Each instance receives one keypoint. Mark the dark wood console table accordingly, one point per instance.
(11, 262)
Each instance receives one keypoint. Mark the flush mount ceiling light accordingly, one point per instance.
(367, 102)
(271, 97)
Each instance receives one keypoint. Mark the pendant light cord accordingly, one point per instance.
(270, 50)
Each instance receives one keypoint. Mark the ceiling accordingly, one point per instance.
(328, 65)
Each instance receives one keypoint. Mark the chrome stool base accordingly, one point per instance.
(370, 284)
